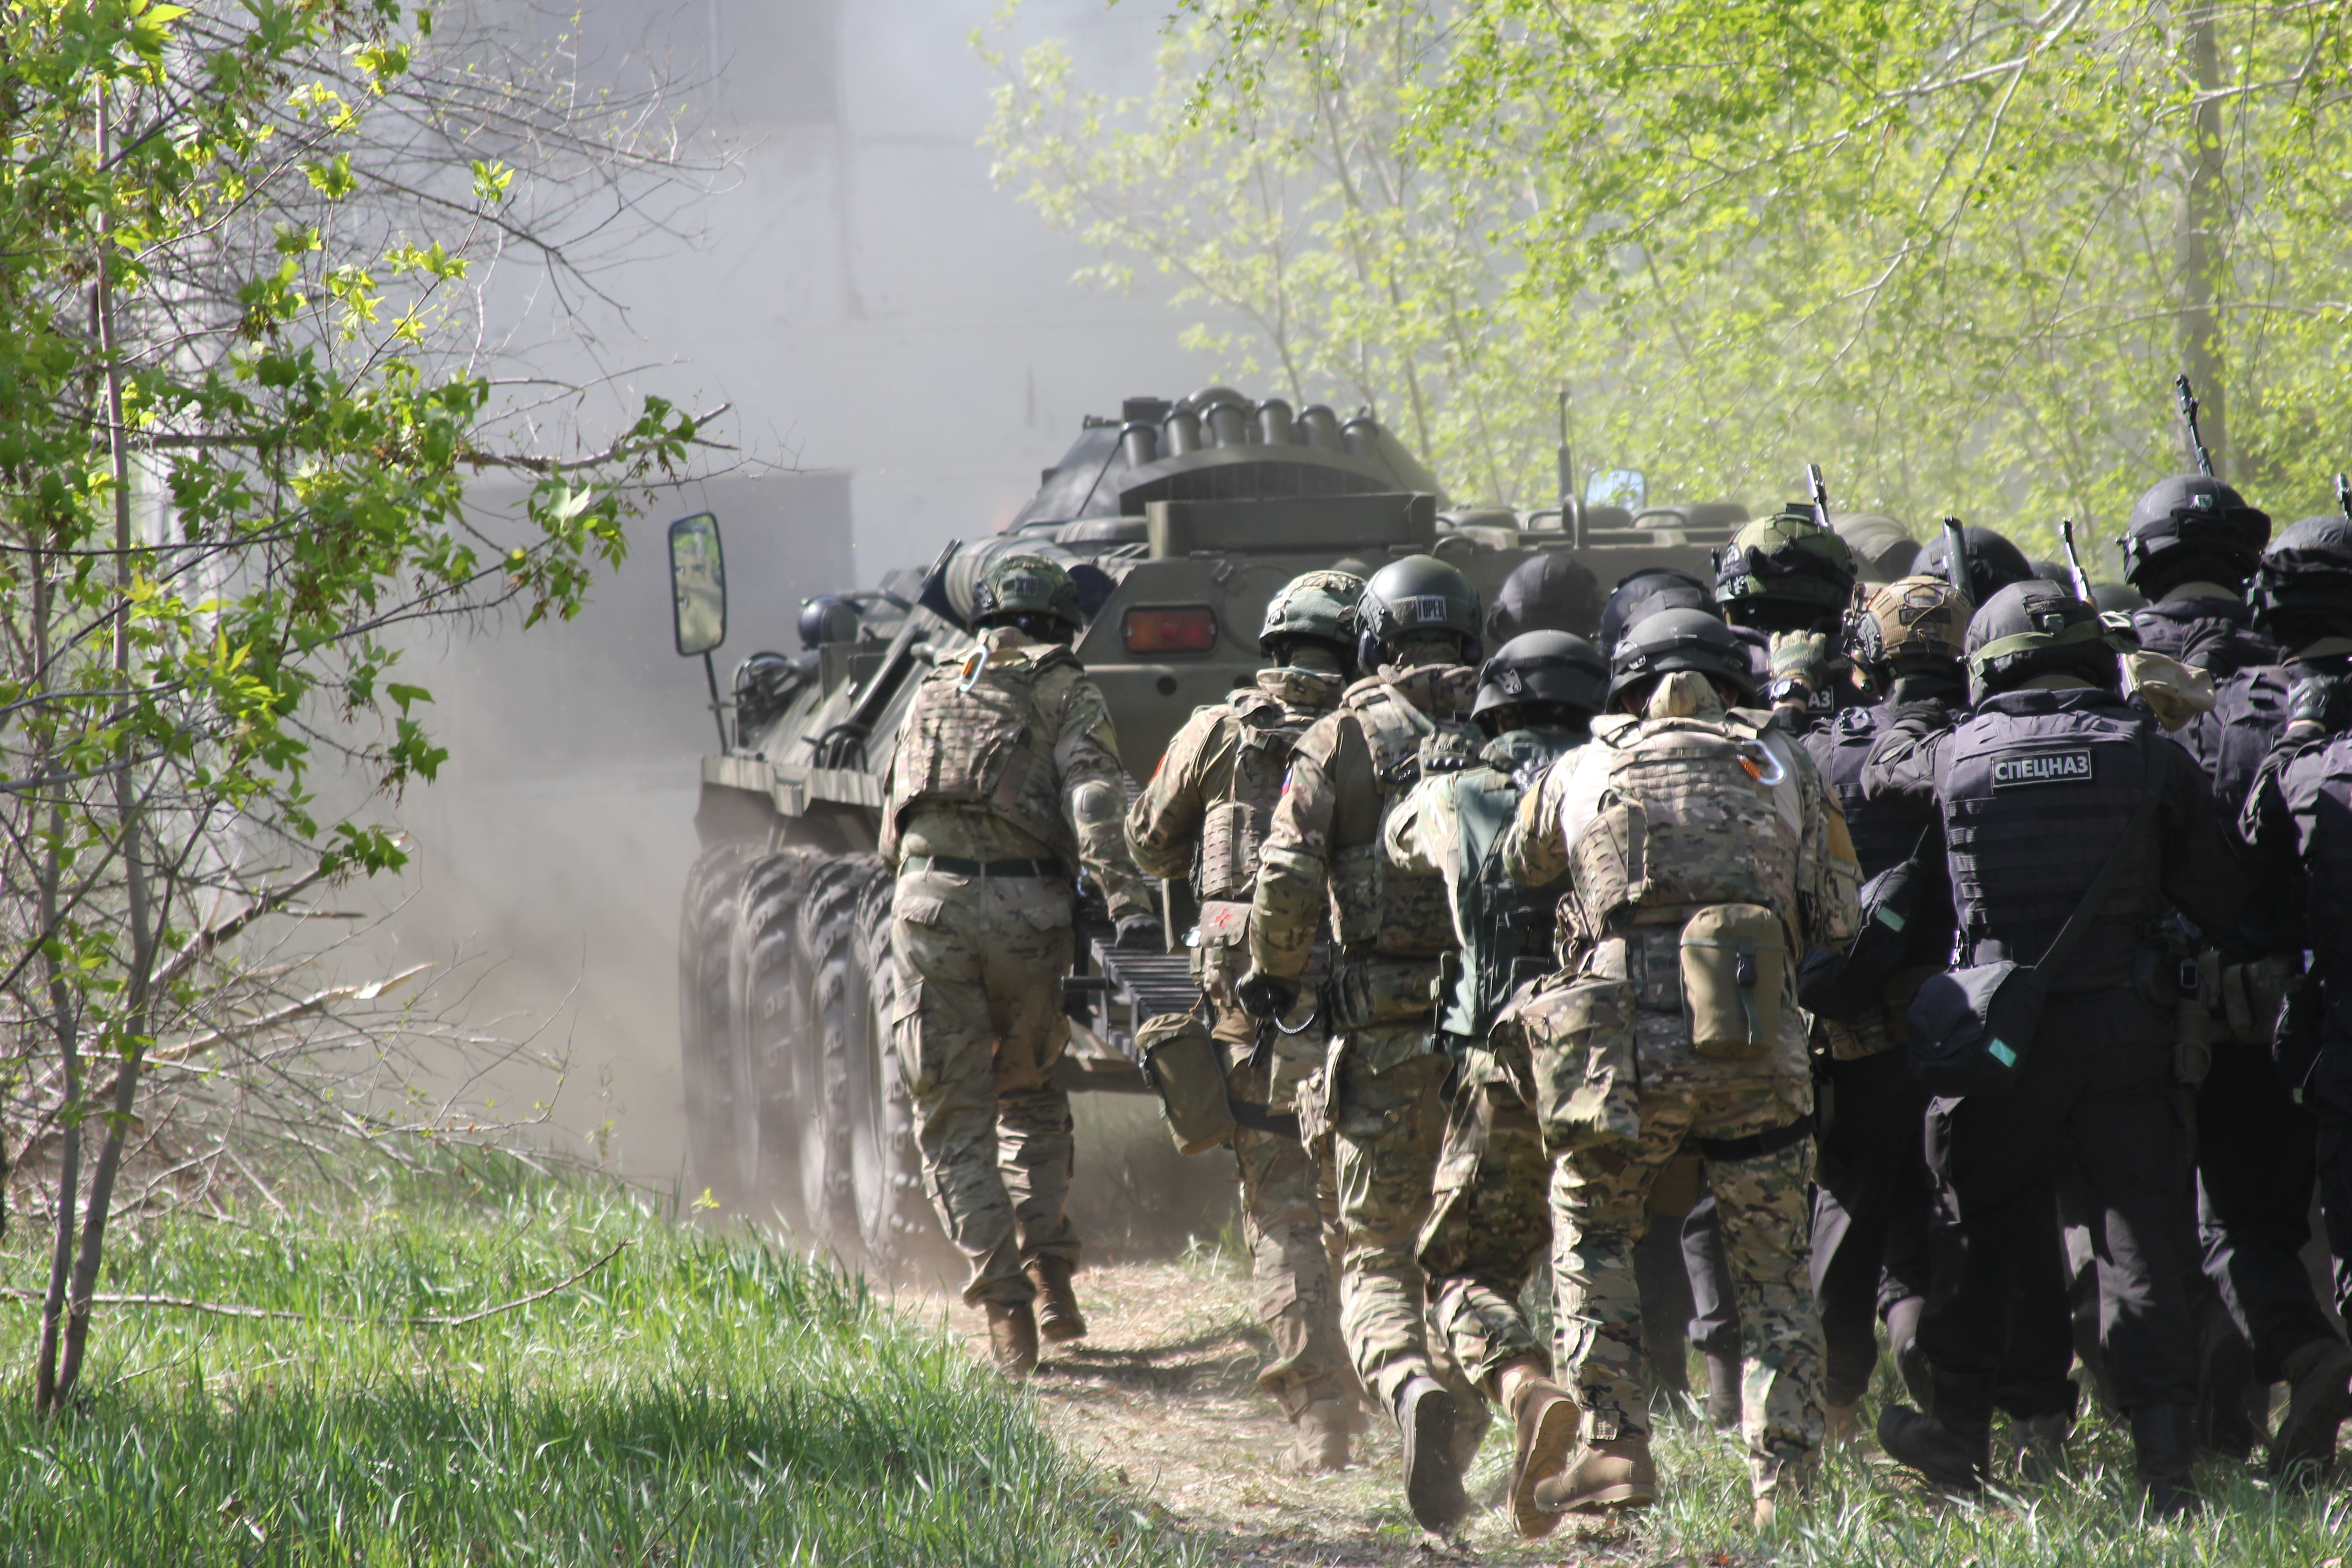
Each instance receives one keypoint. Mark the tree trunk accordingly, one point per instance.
(2197, 251)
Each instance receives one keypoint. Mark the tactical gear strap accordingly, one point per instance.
(957, 866)
(1731, 1150)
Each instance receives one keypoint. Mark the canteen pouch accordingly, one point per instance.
(1734, 965)
(1382, 991)
(1580, 1058)
(1188, 1071)
(1969, 1029)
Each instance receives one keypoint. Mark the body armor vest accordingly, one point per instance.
(2032, 802)
(2316, 782)
(1506, 929)
(2214, 635)
(1376, 908)
(975, 739)
(1883, 832)
(1686, 819)
(2250, 713)
(1264, 734)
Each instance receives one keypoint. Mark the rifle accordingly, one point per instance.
(1956, 560)
(2075, 560)
(1820, 493)
(2344, 496)
(2189, 407)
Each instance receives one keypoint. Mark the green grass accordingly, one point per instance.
(701, 1399)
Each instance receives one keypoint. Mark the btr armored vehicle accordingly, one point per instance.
(1179, 519)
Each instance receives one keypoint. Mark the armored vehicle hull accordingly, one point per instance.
(1179, 521)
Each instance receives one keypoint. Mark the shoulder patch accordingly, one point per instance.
(2013, 769)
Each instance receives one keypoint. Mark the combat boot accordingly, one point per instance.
(1319, 1441)
(2041, 1446)
(2317, 1400)
(1057, 1301)
(2225, 1371)
(1544, 1418)
(1432, 1477)
(1722, 1373)
(1953, 1447)
(2161, 1451)
(1910, 1361)
(1013, 1338)
(1606, 1478)
(1841, 1424)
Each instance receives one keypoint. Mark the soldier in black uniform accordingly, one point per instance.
(2035, 792)
(1870, 1206)
(2301, 857)
(2190, 545)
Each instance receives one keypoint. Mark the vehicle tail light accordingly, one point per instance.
(1186, 629)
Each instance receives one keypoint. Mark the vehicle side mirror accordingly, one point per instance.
(1627, 487)
(698, 579)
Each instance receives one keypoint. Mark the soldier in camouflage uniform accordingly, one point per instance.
(1384, 1076)
(1005, 782)
(1203, 817)
(1707, 853)
(1491, 1223)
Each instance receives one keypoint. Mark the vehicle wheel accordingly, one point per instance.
(832, 995)
(706, 1014)
(894, 1212)
(771, 1034)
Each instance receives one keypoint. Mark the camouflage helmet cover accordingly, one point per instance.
(1789, 557)
(1921, 618)
(1317, 605)
(1027, 585)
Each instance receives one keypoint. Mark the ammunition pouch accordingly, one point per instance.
(1187, 1070)
(1581, 1062)
(1230, 840)
(1367, 991)
(1734, 970)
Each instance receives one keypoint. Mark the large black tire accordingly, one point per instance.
(831, 993)
(900, 1228)
(706, 1017)
(768, 1064)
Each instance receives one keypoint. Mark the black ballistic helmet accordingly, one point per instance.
(2032, 628)
(1418, 596)
(1681, 640)
(1641, 594)
(2302, 589)
(2188, 526)
(1993, 562)
(1545, 592)
(1554, 668)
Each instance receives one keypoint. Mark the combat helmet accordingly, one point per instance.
(2191, 527)
(1914, 625)
(1318, 607)
(1641, 594)
(2032, 628)
(1025, 591)
(1681, 640)
(1993, 562)
(1418, 596)
(1550, 592)
(1785, 574)
(1556, 671)
(2302, 589)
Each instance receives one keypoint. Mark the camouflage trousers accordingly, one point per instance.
(1388, 1124)
(1290, 1203)
(1599, 1215)
(978, 1026)
(1490, 1223)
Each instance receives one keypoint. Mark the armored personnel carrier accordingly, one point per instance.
(1179, 519)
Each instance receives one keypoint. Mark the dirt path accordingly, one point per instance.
(1162, 1395)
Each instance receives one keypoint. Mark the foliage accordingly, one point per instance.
(1956, 253)
(238, 416)
(701, 1398)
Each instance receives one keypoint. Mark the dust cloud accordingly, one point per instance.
(902, 354)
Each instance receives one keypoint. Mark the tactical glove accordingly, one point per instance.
(1265, 995)
(1141, 933)
(2323, 702)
